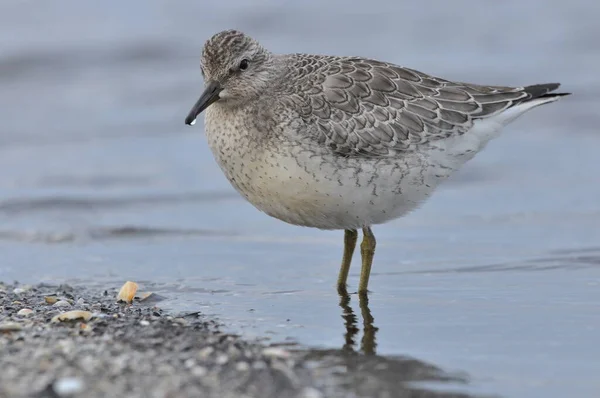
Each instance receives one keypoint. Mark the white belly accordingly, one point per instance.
(315, 188)
(334, 192)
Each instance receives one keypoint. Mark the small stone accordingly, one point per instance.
(205, 352)
(61, 304)
(144, 322)
(25, 312)
(80, 301)
(222, 359)
(180, 321)
(68, 386)
(242, 366)
(199, 371)
(19, 290)
(310, 392)
(50, 299)
(7, 327)
(259, 365)
(276, 352)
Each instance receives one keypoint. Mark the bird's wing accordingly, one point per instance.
(363, 107)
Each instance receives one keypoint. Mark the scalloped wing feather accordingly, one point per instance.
(371, 108)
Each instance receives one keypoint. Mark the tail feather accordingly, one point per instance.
(542, 91)
(538, 94)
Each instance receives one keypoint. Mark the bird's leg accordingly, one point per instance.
(350, 237)
(367, 250)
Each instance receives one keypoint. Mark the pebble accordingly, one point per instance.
(222, 359)
(25, 312)
(10, 327)
(242, 366)
(144, 322)
(259, 365)
(310, 392)
(205, 352)
(276, 352)
(19, 290)
(199, 371)
(50, 299)
(68, 386)
(180, 321)
(61, 304)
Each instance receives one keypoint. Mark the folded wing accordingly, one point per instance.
(368, 108)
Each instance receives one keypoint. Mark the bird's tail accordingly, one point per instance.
(542, 91)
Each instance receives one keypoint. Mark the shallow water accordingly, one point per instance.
(498, 275)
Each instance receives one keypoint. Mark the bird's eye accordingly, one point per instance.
(244, 64)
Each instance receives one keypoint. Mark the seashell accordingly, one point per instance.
(143, 296)
(127, 292)
(25, 312)
(72, 316)
(149, 297)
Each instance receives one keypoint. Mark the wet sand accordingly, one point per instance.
(138, 350)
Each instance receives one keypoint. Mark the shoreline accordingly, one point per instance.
(140, 350)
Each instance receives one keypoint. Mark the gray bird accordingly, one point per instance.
(343, 142)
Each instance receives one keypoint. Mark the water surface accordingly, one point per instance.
(497, 276)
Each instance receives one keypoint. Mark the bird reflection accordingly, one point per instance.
(367, 343)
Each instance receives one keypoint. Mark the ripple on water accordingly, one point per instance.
(106, 233)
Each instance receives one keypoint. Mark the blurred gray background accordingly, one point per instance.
(497, 275)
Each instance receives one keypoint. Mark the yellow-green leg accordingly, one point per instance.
(350, 237)
(367, 251)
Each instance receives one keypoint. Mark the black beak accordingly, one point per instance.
(209, 96)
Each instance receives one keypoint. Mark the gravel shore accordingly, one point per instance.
(68, 341)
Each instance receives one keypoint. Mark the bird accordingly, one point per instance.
(343, 142)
